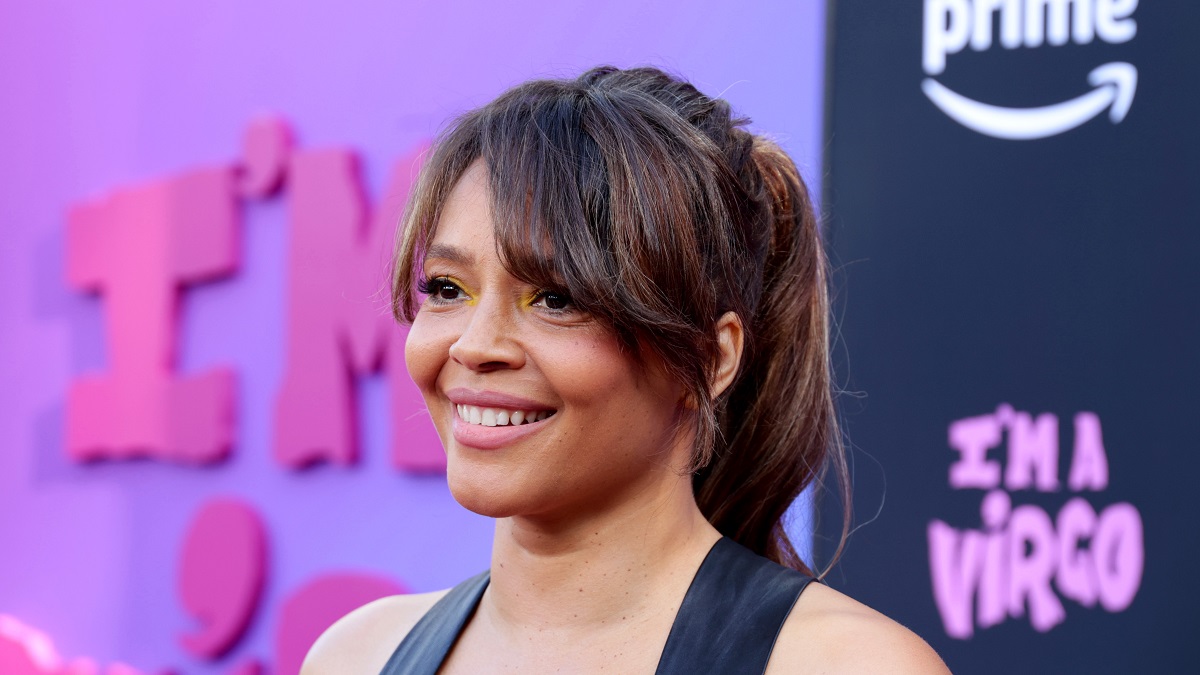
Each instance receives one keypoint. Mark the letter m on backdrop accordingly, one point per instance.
(339, 323)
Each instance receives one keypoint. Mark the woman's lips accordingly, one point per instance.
(492, 438)
(488, 420)
(493, 399)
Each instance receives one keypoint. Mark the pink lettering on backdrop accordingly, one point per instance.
(972, 562)
(1032, 452)
(1089, 463)
(221, 573)
(250, 667)
(25, 650)
(972, 438)
(339, 319)
(957, 560)
(140, 247)
(1076, 577)
(994, 578)
(1021, 560)
(1033, 557)
(314, 607)
(1119, 555)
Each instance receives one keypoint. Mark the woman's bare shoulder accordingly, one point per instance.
(362, 641)
(829, 632)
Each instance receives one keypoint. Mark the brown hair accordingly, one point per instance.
(653, 208)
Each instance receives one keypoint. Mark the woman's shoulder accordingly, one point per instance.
(362, 641)
(830, 632)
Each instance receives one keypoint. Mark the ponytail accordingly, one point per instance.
(777, 429)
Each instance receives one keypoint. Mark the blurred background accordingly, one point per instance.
(209, 449)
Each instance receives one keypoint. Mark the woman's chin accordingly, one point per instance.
(487, 496)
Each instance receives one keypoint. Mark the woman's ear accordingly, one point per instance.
(730, 341)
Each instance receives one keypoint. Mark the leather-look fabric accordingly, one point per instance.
(427, 644)
(728, 621)
(732, 614)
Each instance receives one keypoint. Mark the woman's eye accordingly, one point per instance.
(440, 289)
(553, 300)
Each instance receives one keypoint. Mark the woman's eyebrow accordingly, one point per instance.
(448, 253)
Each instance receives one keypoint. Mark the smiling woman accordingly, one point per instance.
(620, 328)
(492, 346)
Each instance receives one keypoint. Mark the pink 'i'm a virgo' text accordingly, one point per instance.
(1023, 558)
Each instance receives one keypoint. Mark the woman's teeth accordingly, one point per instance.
(497, 417)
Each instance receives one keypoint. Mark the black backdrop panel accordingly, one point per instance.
(1019, 323)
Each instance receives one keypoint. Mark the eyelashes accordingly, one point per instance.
(555, 301)
(442, 290)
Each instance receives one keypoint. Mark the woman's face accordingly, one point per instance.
(540, 411)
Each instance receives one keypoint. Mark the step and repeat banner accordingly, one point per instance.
(1013, 191)
(209, 446)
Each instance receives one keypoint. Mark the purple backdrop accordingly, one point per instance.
(100, 97)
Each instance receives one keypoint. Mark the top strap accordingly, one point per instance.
(732, 614)
(430, 640)
(727, 623)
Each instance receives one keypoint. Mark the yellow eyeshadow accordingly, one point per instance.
(472, 299)
(528, 298)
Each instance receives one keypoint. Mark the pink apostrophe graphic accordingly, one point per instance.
(221, 573)
(307, 612)
(139, 248)
(265, 151)
(339, 322)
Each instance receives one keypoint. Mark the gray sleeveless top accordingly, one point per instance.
(727, 623)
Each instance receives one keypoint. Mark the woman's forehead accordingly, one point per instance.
(470, 198)
(465, 219)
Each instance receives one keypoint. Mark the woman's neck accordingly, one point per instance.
(589, 572)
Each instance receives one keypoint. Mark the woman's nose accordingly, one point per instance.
(487, 342)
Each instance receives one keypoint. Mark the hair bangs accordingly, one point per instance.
(550, 199)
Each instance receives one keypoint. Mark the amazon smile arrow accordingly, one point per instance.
(1115, 85)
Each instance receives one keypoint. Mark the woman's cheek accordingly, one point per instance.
(425, 352)
(600, 368)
